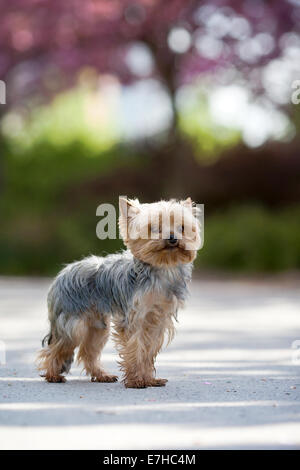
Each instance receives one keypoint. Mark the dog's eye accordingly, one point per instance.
(180, 228)
(155, 229)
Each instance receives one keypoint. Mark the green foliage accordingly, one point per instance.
(196, 123)
(48, 197)
(252, 238)
(42, 228)
(48, 217)
(78, 114)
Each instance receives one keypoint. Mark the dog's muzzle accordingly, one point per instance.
(172, 241)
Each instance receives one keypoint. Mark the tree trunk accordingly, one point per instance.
(175, 158)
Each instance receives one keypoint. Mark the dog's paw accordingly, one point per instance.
(55, 378)
(143, 383)
(157, 382)
(138, 383)
(106, 378)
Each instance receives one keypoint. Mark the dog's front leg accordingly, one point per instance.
(138, 344)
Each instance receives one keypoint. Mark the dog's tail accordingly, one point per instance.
(48, 343)
(47, 339)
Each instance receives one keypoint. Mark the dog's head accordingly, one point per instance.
(163, 233)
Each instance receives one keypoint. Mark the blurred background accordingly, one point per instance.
(150, 99)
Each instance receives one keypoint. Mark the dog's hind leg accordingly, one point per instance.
(91, 345)
(56, 359)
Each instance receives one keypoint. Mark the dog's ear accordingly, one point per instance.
(187, 203)
(128, 207)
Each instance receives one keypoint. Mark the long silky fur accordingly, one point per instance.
(141, 288)
(109, 285)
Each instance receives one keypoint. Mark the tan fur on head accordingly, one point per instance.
(146, 228)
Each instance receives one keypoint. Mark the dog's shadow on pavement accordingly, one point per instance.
(198, 394)
(230, 369)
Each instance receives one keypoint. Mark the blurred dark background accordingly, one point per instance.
(150, 99)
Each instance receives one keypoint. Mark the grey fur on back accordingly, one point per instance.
(108, 285)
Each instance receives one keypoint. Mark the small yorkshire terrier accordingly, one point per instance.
(140, 288)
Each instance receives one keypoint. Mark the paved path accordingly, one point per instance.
(232, 381)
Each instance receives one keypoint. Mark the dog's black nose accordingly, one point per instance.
(172, 240)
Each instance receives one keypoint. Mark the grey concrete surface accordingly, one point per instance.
(234, 378)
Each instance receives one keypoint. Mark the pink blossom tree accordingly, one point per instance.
(45, 42)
